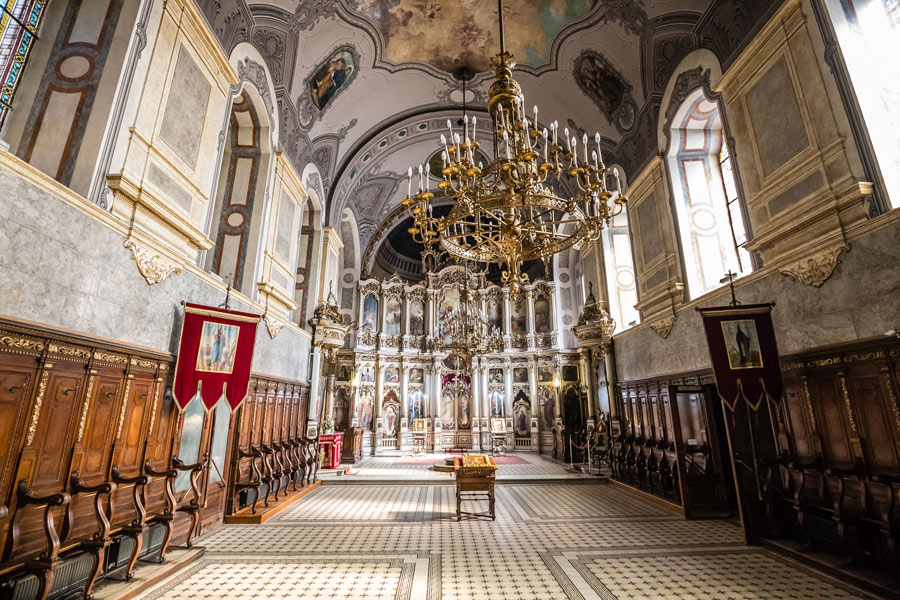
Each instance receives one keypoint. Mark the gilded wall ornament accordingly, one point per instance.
(84, 411)
(663, 327)
(273, 325)
(38, 402)
(21, 343)
(124, 406)
(154, 267)
(816, 269)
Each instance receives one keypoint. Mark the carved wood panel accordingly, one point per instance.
(133, 424)
(877, 432)
(832, 415)
(100, 428)
(15, 387)
(798, 422)
(55, 427)
(159, 447)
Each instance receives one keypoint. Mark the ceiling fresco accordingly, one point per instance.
(456, 33)
(364, 87)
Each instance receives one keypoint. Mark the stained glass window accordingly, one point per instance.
(19, 20)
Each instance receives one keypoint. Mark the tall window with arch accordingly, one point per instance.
(620, 280)
(710, 216)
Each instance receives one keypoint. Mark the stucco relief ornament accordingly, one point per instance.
(816, 269)
(154, 267)
(663, 327)
(273, 325)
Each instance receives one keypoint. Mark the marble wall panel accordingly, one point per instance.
(167, 186)
(777, 123)
(800, 190)
(284, 228)
(182, 124)
(648, 222)
(858, 301)
(61, 267)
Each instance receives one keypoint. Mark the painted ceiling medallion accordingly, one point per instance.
(463, 32)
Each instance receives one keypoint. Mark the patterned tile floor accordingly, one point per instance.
(552, 540)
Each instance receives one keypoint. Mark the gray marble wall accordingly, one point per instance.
(61, 267)
(859, 301)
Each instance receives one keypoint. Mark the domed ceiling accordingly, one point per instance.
(365, 87)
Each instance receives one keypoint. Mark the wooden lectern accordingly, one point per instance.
(475, 475)
(419, 434)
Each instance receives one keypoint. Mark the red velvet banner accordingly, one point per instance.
(744, 353)
(215, 355)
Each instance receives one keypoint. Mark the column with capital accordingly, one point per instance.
(529, 307)
(379, 391)
(554, 303)
(507, 319)
(435, 403)
(475, 403)
(354, 396)
(533, 395)
(405, 441)
(590, 381)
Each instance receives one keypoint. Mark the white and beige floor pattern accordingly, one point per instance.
(549, 541)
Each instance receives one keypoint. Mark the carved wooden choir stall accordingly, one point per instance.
(836, 482)
(95, 469)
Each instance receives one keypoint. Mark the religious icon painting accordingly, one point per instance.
(370, 312)
(417, 317)
(495, 376)
(416, 375)
(742, 344)
(391, 375)
(520, 375)
(545, 374)
(366, 411)
(495, 316)
(518, 323)
(496, 400)
(331, 77)
(498, 425)
(218, 343)
(344, 373)
(542, 315)
(367, 375)
(570, 373)
(392, 313)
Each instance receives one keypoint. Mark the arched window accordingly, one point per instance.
(710, 219)
(620, 280)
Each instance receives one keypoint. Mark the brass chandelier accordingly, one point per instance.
(506, 212)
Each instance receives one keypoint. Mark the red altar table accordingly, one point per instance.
(331, 444)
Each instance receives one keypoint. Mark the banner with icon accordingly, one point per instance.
(215, 355)
(744, 353)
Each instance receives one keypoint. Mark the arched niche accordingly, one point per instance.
(237, 212)
(348, 267)
(309, 261)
